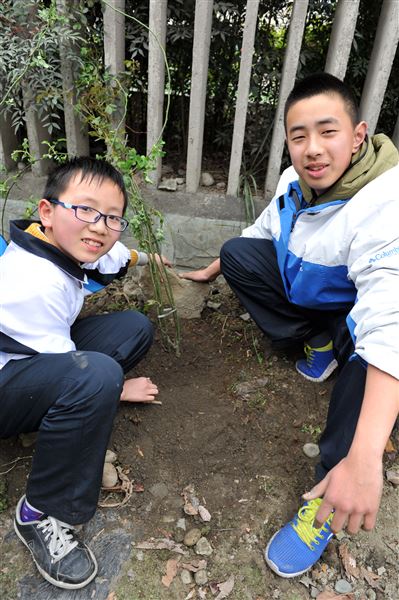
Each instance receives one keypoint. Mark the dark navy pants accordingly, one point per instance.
(250, 267)
(71, 400)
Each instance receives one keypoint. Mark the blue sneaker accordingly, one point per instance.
(318, 364)
(298, 545)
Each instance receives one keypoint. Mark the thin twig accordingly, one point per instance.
(13, 462)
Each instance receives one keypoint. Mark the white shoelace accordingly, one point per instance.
(59, 536)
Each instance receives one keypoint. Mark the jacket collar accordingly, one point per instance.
(39, 247)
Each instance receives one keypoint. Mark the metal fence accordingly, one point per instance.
(340, 44)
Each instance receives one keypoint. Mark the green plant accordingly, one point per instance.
(313, 430)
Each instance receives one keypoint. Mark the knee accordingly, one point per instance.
(142, 328)
(98, 375)
(230, 254)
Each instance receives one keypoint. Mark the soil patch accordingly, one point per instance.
(232, 425)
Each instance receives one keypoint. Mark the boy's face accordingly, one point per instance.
(83, 242)
(321, 139)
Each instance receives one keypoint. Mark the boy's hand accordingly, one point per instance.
(160, 259)
(353, 490)
(139, 389)
(202, 276)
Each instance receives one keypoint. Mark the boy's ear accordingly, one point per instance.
(45, 210)
(359, 135)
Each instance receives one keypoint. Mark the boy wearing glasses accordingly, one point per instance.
(64, 377)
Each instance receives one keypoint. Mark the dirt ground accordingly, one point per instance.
(232, 424)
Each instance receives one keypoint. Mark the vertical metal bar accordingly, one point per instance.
(156, 78)
(242, 95)
(199, 74)
(291, 58)
(342, 33)
(383, 53)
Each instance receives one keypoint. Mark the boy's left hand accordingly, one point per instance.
(353, 490)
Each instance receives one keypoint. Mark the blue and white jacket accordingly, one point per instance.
(340, 252)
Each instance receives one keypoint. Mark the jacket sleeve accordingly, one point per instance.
(266, 223)
(114, 264)
(374, 268)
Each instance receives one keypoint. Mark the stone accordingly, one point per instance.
(213, 305)
(181, 524)
(28, 439)
(159, 490)
(180, 180)
(110, 476)
(343, 587)
(186, 577)
(189, 296)
(221, 185)
(381, 571)
(245, 317)
(192, 536)
(169, 185)
(371, 595)
(314, 592)
(393, 476)
(201, 578)
(203, 547)
(207, 179)
(311, 450)
(110, 456)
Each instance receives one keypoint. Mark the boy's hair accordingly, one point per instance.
(89, 169)
(323, 83)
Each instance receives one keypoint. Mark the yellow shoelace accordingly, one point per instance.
(304, 523)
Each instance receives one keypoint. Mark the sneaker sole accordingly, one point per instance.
(275, 568)
(325, 375)
(47, 577)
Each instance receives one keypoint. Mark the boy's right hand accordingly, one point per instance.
(139, 389)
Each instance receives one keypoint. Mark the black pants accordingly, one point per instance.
(250, 268)
(71, 400)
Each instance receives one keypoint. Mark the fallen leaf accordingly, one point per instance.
(195, 565)
(162, 544)
(171, 572)
(348, 562)
(204, 513)
(225, 588)
(138, 487)
(371, 578)
(328, 594)
(139, 451)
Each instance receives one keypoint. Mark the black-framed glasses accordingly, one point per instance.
(87, 214)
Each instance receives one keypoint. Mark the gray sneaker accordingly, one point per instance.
(60, 557)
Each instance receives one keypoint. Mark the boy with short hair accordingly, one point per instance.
(321, 266)
(64, 377)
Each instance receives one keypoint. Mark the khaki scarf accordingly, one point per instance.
(375, 156)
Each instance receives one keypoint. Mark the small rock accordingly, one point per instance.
(245, 317)
(204, 513)
(186, 577)
(191, 538)
(381, 571)
(181, 524)
(341, 535)
(221, 185)
(207, 179)
(203, 547)
(201, 578)
(311, 450)
(169, 185)
(110, 476)
(110, 456)
(180, 180)
(343, 587)
(314, 592)
(213, 305)
(371, 595)
(28, 439)
(276, 594)
(181, 172)
(159, 490)
(393, 476)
